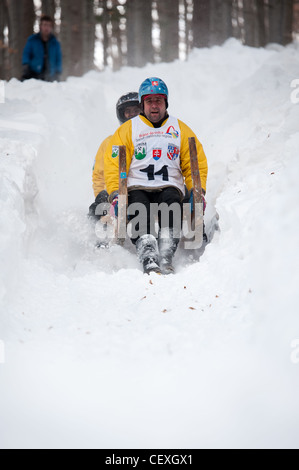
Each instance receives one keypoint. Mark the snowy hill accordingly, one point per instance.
(97, 355)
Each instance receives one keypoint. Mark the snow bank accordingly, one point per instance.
(17, 186)
(97, 355)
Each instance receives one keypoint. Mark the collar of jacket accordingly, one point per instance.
(51, 37)
(156, 125)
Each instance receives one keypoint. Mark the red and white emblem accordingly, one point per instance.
(173, 152)
(157, 154)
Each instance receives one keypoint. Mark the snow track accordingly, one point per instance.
(99, 355)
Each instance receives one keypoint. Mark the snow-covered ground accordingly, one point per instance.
(97, 355)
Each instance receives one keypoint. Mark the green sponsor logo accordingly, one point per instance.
(115, 151)
(140, 151)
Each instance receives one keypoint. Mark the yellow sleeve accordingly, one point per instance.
(186, 132)
(98, 178)
(123, 136)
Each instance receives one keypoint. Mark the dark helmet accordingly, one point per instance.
(130, 99)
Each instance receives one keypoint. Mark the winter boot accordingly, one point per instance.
(147, 250)
(167, 247)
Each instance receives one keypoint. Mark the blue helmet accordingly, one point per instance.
(153, 86)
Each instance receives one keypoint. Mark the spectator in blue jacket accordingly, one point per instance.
(42, 58)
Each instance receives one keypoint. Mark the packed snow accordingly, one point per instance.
(93, 353)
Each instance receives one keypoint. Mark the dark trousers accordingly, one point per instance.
(28, 74)
(145, 217)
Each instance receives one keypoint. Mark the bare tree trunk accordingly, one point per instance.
(201, 23)
(104, 20)
(113, 35)
(261, 23)
(281, 21)
(237, 29)
(48, 7)
(116, 49)
(250, 15)
(252, 22)
(288, 16)
(189, 25)
(21, 18)
(275, 17)
(3, 46)
(139, 32)
(89, 34)
(227, 6)
(168, 11)
(70, 37)
(14, 55)
(77, 36)
(220, 21)
(296, 18)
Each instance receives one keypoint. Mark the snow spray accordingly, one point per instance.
(2, 352)
(2, 92)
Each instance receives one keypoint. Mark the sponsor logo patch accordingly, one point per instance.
(140, 151)
(115, 151)
(173, 152)
(157, 154)
(174, 133)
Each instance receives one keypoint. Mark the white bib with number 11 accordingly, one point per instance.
(156, 161)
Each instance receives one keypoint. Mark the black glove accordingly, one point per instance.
(26, 75)
(101, 198)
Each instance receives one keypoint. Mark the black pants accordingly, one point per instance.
(145, 216)
(28, 74)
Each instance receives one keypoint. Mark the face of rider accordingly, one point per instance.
(131, 111)
(154, 107)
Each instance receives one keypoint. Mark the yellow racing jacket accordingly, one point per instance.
(123, 136)
(98, 178)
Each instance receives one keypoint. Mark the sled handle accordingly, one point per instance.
(123, 194)
(197, 224)
(197, 187)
